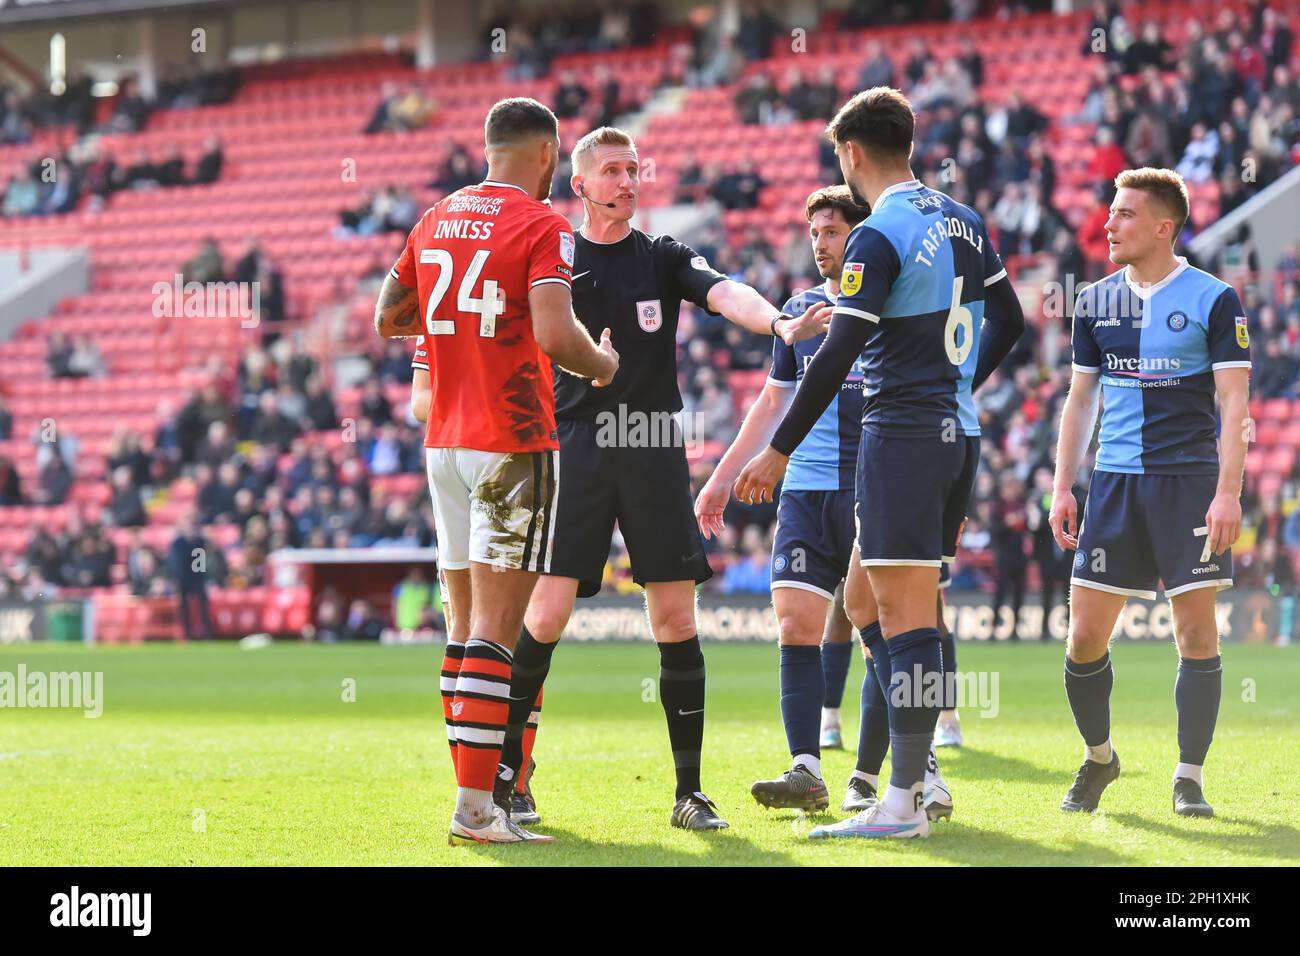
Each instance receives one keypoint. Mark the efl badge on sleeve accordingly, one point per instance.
(566, 248)
(649, 315)
(851, 280)
(1243, 334)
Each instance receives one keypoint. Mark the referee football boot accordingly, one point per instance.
(520, 807)
(875, 823)
(1189, 801)
(695, 811)
(1089, 782)
(498, 830)
(860, 796)
(523, 808)
(797, 789)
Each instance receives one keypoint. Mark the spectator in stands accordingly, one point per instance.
(715, 64)
(363, 624)
(751, 573)
(171, 171)
(217, 446)
(43, 554)
(14, 125)
(141, 174)
(187, 560)
(6, 420)
(208, 168)
(458, 171)
(10, 488)
(570, 96)
(207, 265)
(131, 112)
(144, 575)
(757, 30)
(756, 99)
(877, 68)
(379, 119)
(53, 482)
(1010, 528)
(271, 426)
(1053, 563)
(58, 355)
(610, 97)
(374, 406)
(85, 360)
(739, 188)
(413, 110)
(126, 507)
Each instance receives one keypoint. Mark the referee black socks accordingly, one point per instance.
(681, 690)
(532, 664)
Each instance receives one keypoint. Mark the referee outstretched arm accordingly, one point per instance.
(743, 305)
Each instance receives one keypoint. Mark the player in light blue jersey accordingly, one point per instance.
(813, 545)
(917, 275)
(1160, 340)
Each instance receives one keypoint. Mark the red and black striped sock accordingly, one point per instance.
(479, 712)
(451, 661)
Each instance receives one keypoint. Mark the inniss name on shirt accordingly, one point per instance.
(463, 229)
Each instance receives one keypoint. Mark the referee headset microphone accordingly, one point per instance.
(582, 191)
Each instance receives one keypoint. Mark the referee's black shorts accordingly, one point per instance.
(647, 490)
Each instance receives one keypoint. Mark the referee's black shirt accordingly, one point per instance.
(634, 288)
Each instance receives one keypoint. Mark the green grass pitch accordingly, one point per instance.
(213, 755)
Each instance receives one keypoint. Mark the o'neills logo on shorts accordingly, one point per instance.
(1205, 570)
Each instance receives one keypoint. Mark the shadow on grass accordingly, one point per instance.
(986, 765)
(1268, 840)
(571, 848)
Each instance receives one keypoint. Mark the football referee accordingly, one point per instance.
(623, 458)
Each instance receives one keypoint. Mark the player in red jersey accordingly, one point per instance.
(485, 276)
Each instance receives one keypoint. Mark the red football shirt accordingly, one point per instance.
(473, 257)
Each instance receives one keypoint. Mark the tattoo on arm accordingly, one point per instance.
(397, 314)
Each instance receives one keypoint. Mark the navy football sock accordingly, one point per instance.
(835, 670)
(1196, 695)
(875, 642)
(1088, 686)
(949, 666)
(802, 688)
(873, 734)
(916, 681)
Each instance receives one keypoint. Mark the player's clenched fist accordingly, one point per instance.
(607, 347)
(759, 477)
(1064, 520)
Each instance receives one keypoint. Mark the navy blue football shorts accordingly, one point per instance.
(912, 496)
(1140, 530)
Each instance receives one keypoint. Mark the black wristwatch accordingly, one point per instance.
(774, 321)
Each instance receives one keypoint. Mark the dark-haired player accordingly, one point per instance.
(486, 276)
(814, 542)
(918, 274)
